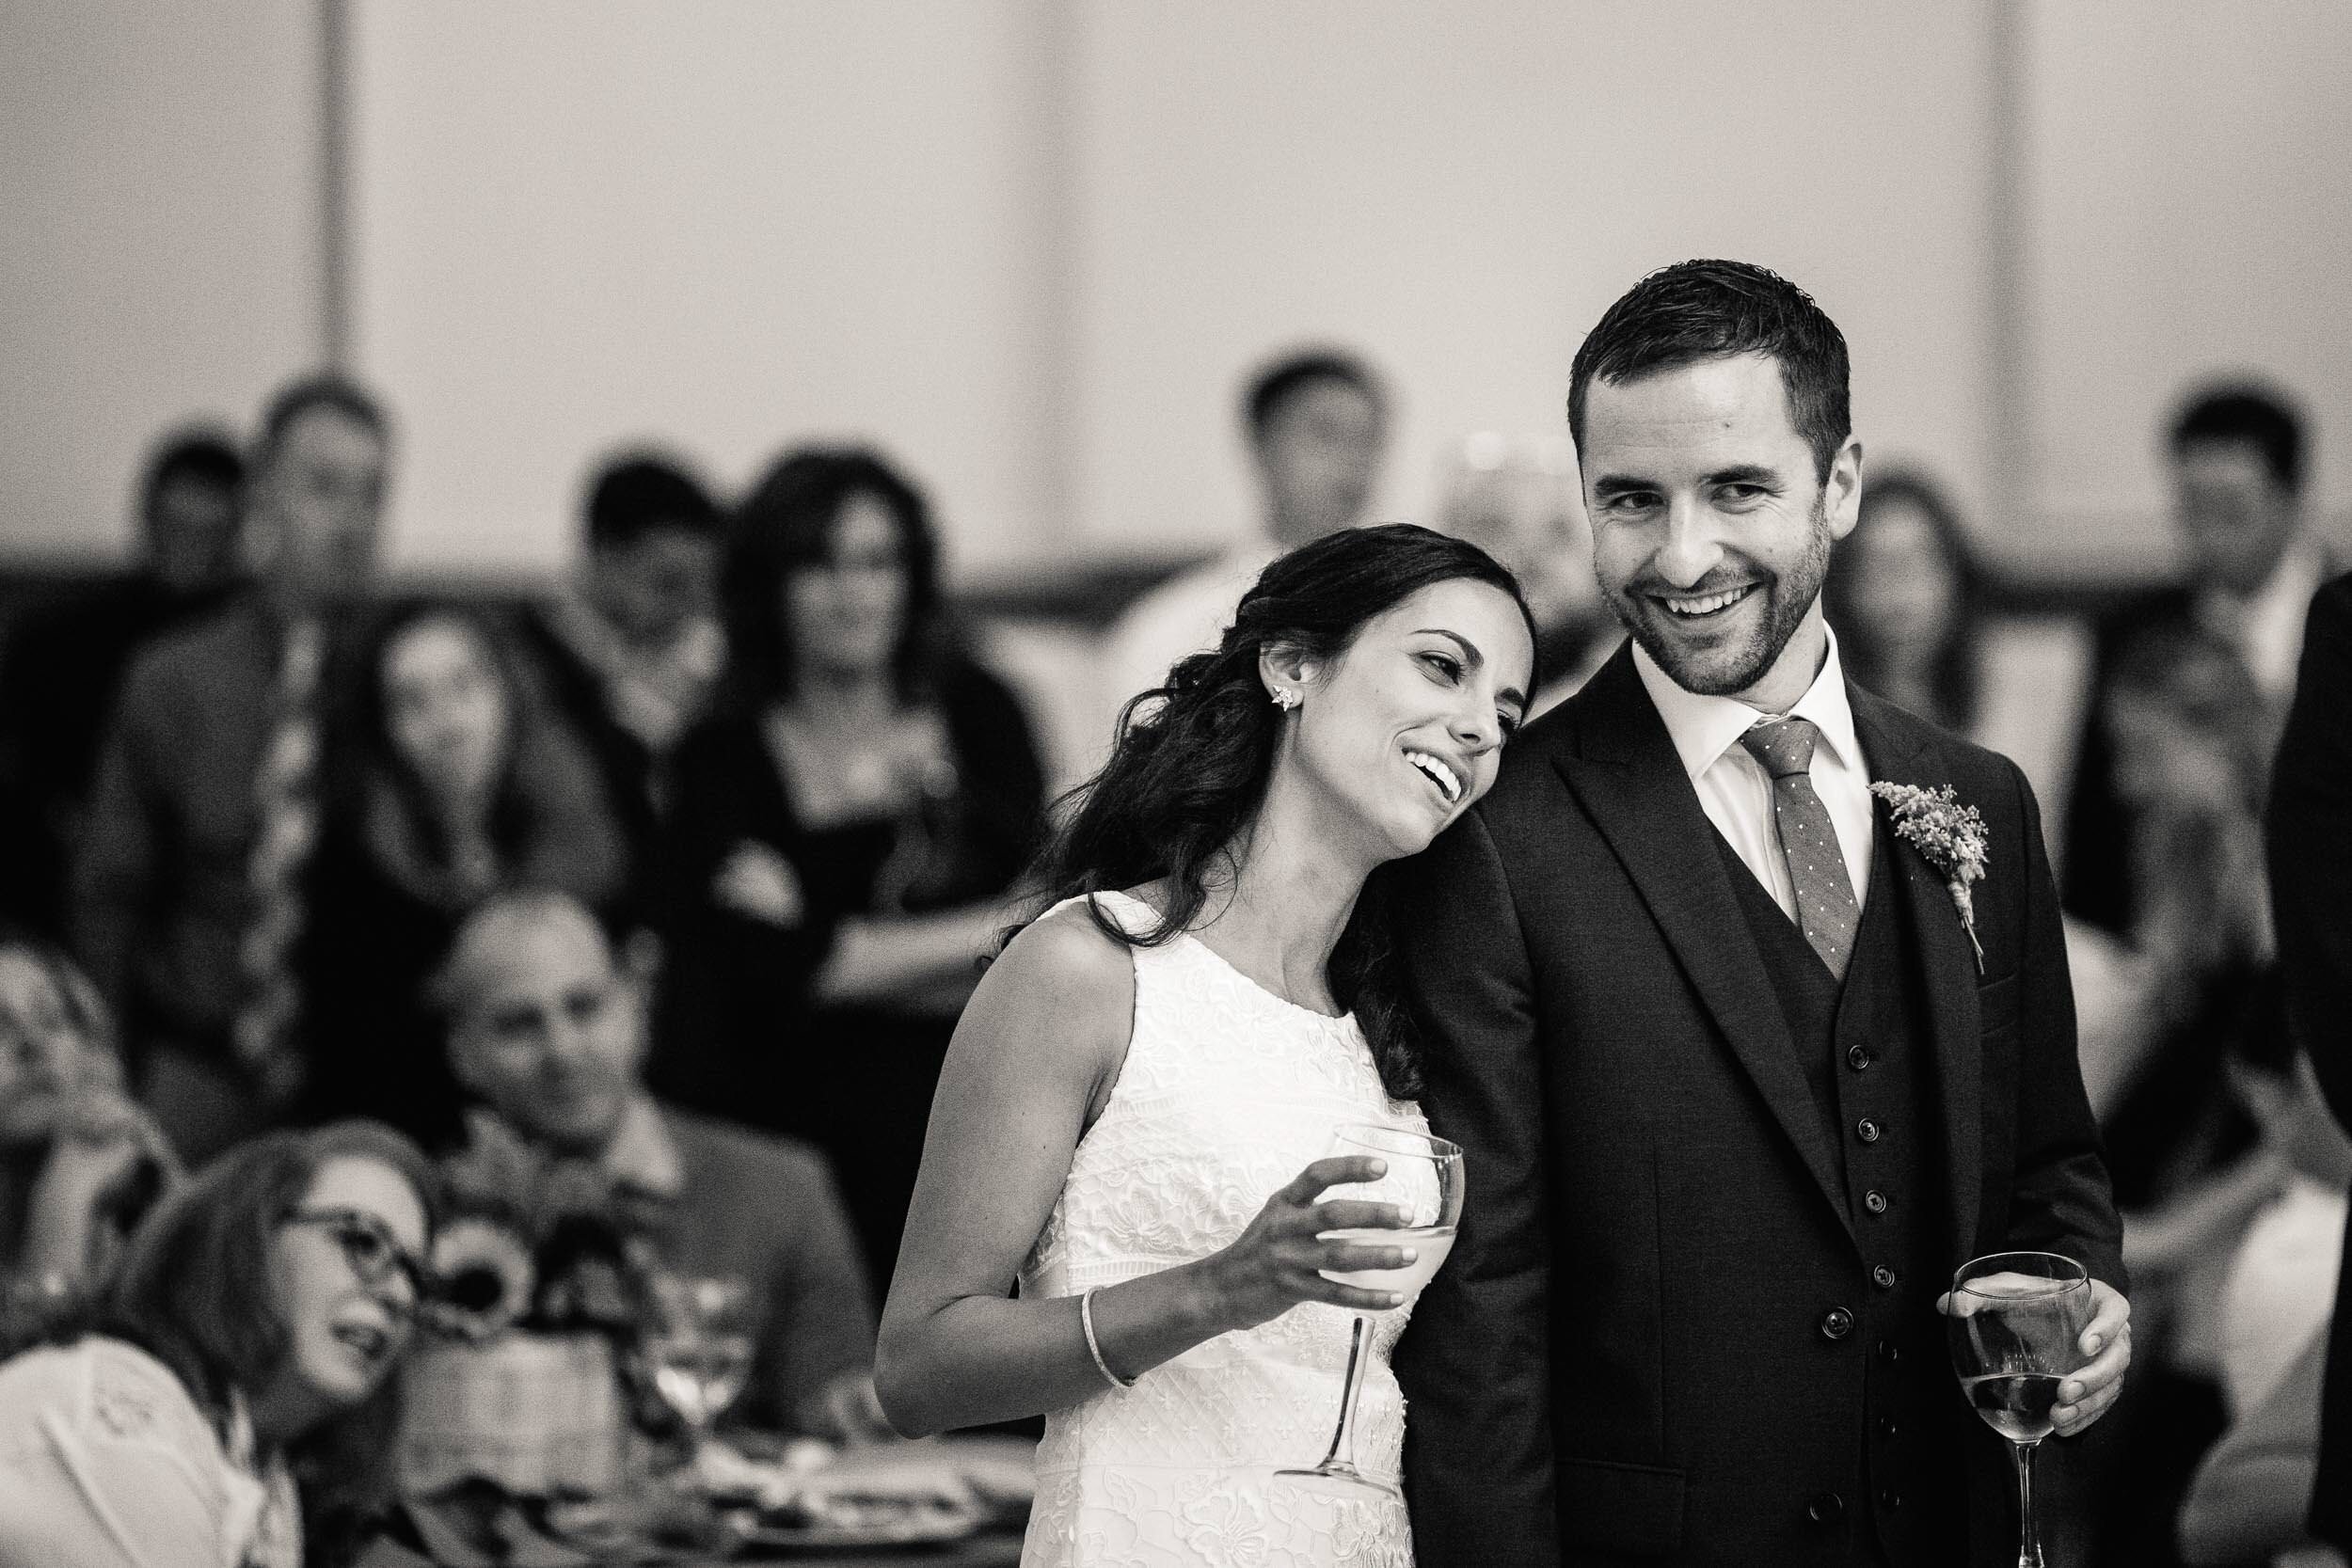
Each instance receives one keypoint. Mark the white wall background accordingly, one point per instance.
(158, 243)
(724, 225)
(2190, 216)
(1463, 189)
(1031, 245)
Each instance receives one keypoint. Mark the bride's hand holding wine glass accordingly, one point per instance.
(1425, 1196)
(1295, 1248)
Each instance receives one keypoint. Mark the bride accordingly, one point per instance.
(1118, 1219)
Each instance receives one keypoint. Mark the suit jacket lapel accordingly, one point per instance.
(1899, 750)
(1631, 783)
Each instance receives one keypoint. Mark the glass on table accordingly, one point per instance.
(698, 1340)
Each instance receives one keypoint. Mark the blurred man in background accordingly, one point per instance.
(187, 893)
(547, 1034)
(59, 675)
(1318, 425)
(2238, 461)
(2190, 688)
(629, 652)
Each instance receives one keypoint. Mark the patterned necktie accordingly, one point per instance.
(1825, 903)
(285, 827)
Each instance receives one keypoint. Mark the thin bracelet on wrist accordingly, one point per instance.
(1094, 1346)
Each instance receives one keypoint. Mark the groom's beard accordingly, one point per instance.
(1725, 669)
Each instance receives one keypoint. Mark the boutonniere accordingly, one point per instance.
(1948, 835)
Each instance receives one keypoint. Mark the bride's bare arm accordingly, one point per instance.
(1032, 1064)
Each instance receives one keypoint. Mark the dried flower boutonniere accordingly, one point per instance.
(1948, 835)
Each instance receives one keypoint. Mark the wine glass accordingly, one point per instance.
(1424, 1180)
(698, 1341)
(2017, 1324)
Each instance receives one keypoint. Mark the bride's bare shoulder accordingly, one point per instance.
(1066, 963)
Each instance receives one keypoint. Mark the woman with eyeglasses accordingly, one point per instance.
(229, 1394)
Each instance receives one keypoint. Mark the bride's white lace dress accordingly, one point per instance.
(1227, 1092)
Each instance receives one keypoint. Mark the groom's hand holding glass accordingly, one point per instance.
(2091, 1388)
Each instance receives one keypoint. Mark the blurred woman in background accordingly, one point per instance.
(230, 1396)
(79, 1162)
(843, 833)
(456, 784)
(1906, 595)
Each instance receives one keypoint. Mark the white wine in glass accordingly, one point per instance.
(2017, 1324)
(1424, 1180)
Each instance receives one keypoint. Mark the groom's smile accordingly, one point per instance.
(1701, 606)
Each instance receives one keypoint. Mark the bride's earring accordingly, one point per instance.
(1286, 697)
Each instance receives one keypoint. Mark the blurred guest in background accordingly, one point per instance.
(1906, 598)
(2252, 1492)
(79, 1162)
(2189, 737)
(58, 675)
(1518, 501)
(629, 649)
(547, 1032)
(1318, 424)
(843, 833)
(2255, 1490)
(2237, 458)
(188, 892)
(231, 1400)
(450, 786)
(2310, 844)
(2279, 1287)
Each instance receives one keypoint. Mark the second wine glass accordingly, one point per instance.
(1424, 1181)
(698, 1342)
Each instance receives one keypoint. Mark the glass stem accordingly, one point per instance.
(2029, 1540)
(1343, 1454)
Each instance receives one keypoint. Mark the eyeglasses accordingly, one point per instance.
(367, 1245)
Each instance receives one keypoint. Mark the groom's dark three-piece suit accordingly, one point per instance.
(1714, 1189)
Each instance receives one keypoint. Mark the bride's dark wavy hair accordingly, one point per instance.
(1190, 770)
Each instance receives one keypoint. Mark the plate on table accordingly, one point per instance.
(925, 1527)
(891, 1495)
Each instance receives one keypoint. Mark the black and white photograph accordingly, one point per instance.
(1118, 783)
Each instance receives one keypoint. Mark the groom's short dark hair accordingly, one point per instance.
(1696, 310)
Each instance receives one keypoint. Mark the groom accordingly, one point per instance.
(1737, 1088)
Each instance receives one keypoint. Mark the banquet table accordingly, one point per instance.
(997, 1468)
(988, 1550)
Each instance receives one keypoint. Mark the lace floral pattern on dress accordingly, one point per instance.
(1225, 1093)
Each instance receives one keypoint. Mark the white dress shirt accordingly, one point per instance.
(1736, 792)
(2266, 626)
